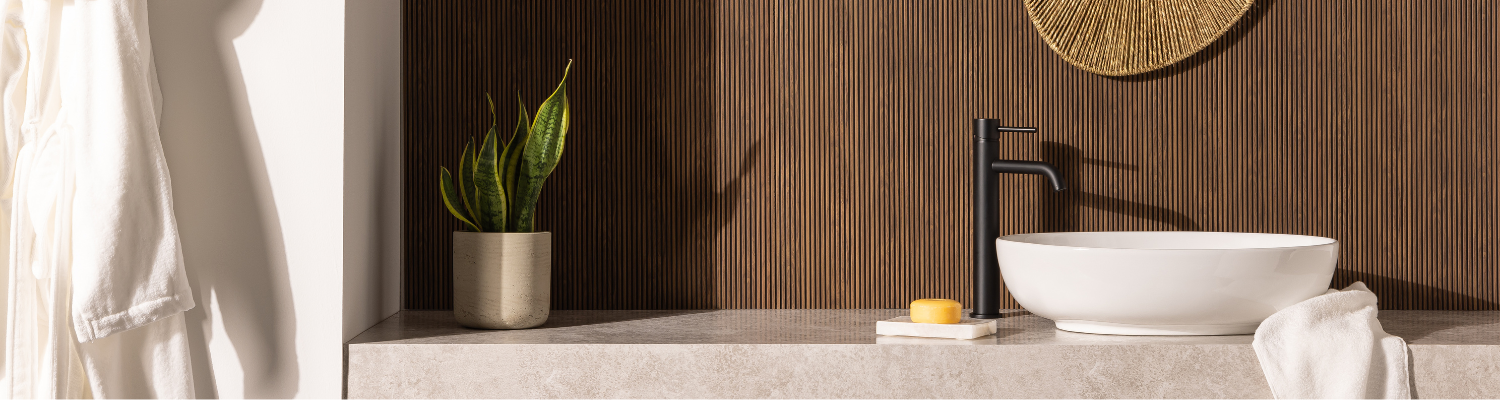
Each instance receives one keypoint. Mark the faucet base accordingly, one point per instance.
(986, 316)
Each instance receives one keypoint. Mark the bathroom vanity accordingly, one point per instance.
(836, 354)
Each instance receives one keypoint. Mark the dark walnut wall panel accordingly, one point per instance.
(813, 154)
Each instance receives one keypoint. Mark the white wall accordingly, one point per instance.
(283, 188)
(372, 163)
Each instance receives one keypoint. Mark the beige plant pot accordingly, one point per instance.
(502, 280)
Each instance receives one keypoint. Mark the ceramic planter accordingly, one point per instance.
(502, 280)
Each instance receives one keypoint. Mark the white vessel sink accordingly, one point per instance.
(1163, 283)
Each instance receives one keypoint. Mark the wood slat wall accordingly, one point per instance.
(814, 154)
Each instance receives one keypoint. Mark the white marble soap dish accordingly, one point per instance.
(964, 329)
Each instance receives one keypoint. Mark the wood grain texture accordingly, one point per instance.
(813, 154)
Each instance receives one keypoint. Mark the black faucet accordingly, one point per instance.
(986, 267)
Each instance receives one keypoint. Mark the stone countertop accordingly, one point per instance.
(836, 353)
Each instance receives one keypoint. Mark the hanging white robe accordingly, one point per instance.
(96, 281)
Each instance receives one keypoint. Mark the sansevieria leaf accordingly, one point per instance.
(451, 199)
(487, 180)
(544, 146)
(494, 120)
(465, 180)
(500, 179)
(510, 159)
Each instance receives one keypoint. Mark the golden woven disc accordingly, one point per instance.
(1127, 37)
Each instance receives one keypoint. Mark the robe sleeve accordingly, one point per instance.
(127, 262)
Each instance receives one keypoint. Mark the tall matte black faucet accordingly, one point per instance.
(986, 167)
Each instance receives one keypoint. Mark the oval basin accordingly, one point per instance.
(1163, 283)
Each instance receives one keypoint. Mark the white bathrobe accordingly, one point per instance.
(96, 280)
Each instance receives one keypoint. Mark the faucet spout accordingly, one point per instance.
(1033, 168)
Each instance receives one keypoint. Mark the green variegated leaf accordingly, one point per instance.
(494, 120)
(451, 200)
(473, 163)
(487, 179)
(511, 158)
(465, 181)
(544, 146)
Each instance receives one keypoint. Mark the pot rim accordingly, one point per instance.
(505, 233)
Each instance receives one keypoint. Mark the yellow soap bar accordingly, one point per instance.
(935, 311)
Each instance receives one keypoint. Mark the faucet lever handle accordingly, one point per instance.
(985, 129)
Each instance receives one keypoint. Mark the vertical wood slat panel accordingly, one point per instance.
(785, 154)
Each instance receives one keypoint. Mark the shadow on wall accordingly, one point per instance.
(1422, 296)
(231, 234)
(656, 247)
(1060, 209)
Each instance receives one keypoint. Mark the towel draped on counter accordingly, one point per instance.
(1331, 346)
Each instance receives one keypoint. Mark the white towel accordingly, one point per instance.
(1331, 346)
(97, 284)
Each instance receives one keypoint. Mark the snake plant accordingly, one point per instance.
(499, 182)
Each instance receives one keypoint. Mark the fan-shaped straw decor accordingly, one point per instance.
(1127, 37)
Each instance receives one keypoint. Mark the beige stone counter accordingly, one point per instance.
(835, 353)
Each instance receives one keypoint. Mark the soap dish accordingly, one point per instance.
(965, 329)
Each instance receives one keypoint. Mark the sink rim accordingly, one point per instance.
(1312, 241)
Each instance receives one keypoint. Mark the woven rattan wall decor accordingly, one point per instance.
(1128, 37)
